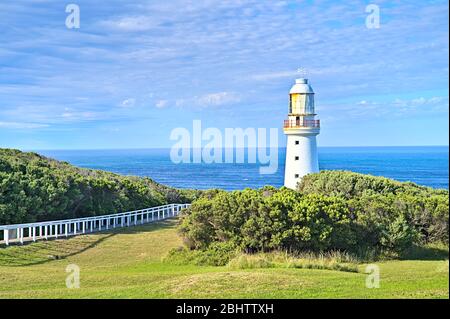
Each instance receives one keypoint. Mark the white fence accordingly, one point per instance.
(19, 233)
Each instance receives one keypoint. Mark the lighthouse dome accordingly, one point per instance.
(301, 86)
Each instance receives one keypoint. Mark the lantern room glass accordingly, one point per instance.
(301, 104)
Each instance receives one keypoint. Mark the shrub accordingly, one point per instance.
(399, 236)
(364, 215)
(36, 188)
(349, 185)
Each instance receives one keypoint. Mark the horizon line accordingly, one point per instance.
(191, 148)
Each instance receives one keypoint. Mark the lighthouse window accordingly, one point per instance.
(310, 104)
(297, 142)
(296, 175)
(296, 158)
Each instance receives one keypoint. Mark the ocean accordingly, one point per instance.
(427, 166)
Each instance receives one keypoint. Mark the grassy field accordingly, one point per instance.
(128, 264)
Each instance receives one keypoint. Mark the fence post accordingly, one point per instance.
(6, 236)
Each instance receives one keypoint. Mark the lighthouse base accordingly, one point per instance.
(301, 158)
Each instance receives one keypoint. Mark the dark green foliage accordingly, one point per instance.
(35, 188)
(349, 184)
(357, 213)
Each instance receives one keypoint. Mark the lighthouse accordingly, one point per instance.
(301, 129)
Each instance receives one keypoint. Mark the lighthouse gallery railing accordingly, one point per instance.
(18, 233)
(301, 123)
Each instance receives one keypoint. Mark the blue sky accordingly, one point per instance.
(135, 70)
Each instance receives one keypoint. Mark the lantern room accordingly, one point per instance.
(301, 98)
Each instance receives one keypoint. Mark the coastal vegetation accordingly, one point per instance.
(255, 243)
(367, 216)
(36, 188)
(332, 211)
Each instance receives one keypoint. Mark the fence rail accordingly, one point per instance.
(19, 233)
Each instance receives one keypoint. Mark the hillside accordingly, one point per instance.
(36, 188)
(147, 261)
(107, 270)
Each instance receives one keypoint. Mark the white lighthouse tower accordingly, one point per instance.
(301, 129)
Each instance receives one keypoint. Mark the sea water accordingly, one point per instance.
(423, 165)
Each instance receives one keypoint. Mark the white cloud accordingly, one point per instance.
(22, 125)
(128, 103)
(161, 104)
(386, 109)
(332, 70)
(203, 101)
(78, 116)
(180, 102)
(130, 23)
(274, 75)
(420, 103)
(216, 99)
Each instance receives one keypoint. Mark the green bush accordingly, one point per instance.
(350, 185)
(36, 188)
(364, 215)
(399, 235)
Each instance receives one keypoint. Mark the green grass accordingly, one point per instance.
(128, 264)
